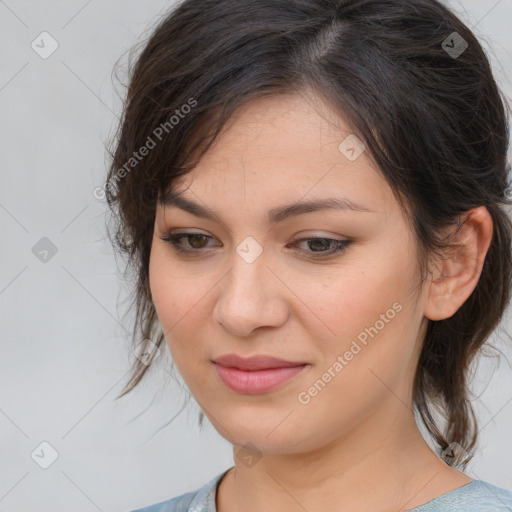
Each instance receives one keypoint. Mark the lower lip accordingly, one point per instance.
(256, 381)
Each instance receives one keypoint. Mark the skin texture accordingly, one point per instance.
(358, 432)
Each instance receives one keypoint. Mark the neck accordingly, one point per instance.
(381, 464)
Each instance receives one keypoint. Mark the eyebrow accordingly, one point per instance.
(279, 214)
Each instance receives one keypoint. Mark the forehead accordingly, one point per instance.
(286, 124)
(284, 141)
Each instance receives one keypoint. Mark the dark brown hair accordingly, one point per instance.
(413, 81)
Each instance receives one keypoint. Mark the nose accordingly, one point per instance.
(251, 296)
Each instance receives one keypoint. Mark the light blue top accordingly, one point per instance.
(477, 496)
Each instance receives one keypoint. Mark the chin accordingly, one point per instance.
(266, 434)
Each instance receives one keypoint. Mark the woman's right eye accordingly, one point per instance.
(196, 238)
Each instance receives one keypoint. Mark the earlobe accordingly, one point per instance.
(457, 273)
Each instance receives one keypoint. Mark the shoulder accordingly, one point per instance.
(485, 496)
(477, 496)
(202, 500)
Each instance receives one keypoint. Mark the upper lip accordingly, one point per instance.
(259, 362)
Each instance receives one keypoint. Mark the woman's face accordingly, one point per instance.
(351, 321)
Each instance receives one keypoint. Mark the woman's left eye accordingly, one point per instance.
(334, 245)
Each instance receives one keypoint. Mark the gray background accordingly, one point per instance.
(64, 350)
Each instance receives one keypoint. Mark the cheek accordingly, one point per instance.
(182, 306)
(354, 298)
(174, 294)
(373, 325)
(171, 298)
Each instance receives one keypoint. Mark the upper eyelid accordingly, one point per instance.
(186, 231)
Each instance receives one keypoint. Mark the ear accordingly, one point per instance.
(457, 273)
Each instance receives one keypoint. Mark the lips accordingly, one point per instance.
(256, 374)
(254, 362)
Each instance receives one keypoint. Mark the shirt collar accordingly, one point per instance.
(204, 500)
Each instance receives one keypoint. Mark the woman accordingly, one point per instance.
(311, 194)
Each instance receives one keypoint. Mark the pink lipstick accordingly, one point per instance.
(256, 374)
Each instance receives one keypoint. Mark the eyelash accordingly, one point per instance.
(173, 241)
